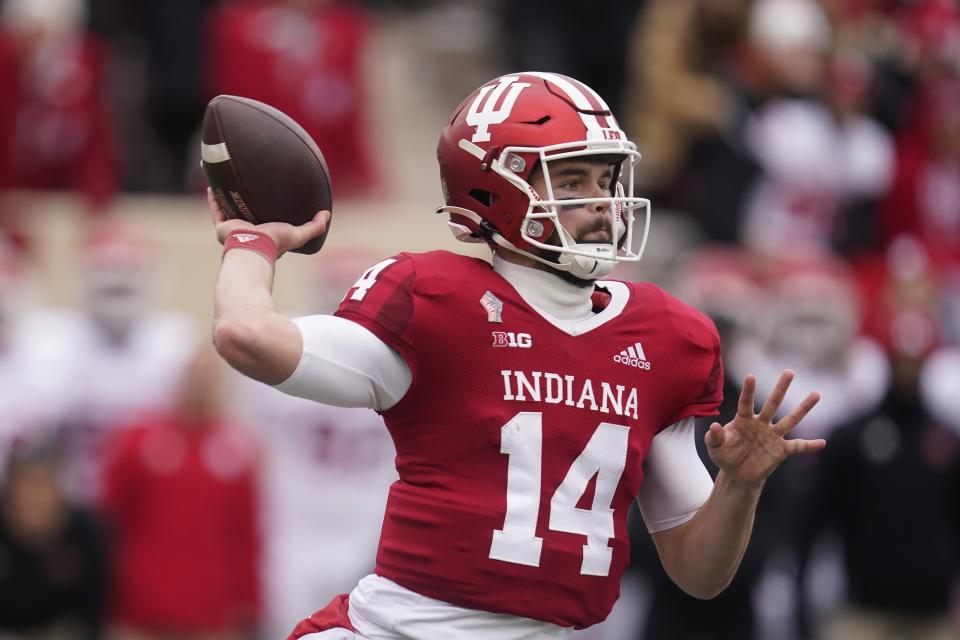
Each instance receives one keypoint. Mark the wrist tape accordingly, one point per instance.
(252, 240)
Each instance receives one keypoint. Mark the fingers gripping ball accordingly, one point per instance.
(262, 165)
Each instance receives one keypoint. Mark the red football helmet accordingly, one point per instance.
(813, 311)
(722, 282)
(514, 125)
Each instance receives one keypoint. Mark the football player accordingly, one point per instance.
(32, 386)
(123, 358)
(813, 321)
(530, 400)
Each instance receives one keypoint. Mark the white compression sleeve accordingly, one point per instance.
(675, 482)
(345, 365)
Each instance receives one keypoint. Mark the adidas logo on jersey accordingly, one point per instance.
(633, 356)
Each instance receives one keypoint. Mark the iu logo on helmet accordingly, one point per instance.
(488, 98)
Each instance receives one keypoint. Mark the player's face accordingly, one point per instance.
(573, 179)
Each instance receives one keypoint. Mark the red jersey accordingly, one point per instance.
(520, 443)
(307, 63)
(56, 130)
(182, 505)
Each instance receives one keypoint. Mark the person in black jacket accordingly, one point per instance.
(52, 561)
(889, 487)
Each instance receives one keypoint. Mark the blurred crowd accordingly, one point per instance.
(146, 492)
(809, 150)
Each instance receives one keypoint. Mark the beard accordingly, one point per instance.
(601, 224)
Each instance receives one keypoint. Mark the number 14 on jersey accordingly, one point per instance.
(604, 457)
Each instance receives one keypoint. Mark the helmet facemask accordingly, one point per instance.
(542, 235)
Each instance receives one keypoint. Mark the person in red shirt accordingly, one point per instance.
(57, 133)
(180, 498)
(530, 400)
(304, 57)
(924, 200)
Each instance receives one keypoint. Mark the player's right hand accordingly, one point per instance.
(286, 236)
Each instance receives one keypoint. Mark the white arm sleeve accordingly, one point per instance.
(345, 365)
(675, 482)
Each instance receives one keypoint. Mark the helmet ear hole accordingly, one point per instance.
(485, 198)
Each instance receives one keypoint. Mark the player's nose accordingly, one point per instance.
(599, 192)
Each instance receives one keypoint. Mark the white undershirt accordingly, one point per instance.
(344, 364)
(546, 292)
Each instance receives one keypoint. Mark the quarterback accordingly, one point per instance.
(508, 520)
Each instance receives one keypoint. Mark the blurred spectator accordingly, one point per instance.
(940, 386)
(31, 378)
(172, 33)
(889, 486)
(52, 559)
(904, 291)
(574, 38)
(889, 465)
(812, 325)
(929, 37)
(789, 41)
(824, 167)
(155, 85)
(679, 80)
(325, 478)
(180, 498)
(949, 311)
(869, 161)
(925, 198)
(781, 54)
(304, 57)
(55, 129)
(724, 283)
(870, 28)
(121, 357)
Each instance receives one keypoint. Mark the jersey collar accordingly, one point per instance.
(562, 304)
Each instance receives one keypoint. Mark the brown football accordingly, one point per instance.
(262, 165)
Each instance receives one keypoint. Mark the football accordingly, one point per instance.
(262, 165)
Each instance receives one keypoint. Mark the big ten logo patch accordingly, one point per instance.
(510, 339)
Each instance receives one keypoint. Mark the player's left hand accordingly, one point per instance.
(749, 447)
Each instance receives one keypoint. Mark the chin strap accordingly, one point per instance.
(579, 266)
(591, 267)
(588, 268)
